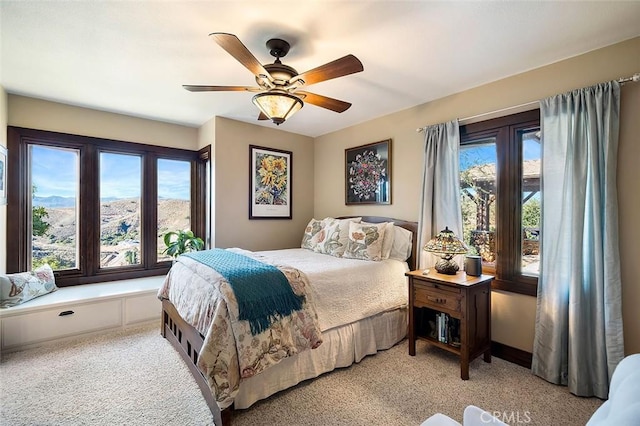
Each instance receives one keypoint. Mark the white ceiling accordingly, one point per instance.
(132, 57)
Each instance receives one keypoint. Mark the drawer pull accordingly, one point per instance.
(65, 313)
(436, 300)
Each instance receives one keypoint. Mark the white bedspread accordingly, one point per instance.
(347, 290)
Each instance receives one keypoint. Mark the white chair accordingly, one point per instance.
(623, 406)
(473, 416)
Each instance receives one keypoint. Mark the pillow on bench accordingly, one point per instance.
(21, 287)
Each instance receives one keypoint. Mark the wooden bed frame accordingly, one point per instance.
(188, 341)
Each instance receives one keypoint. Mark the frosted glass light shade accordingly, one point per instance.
(278, 106)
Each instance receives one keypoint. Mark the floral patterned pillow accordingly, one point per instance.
(365, 241)
(309, 239)
(19, 288)
(333, 238)
(387, 242)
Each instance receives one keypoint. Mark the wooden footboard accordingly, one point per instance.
(188, 342)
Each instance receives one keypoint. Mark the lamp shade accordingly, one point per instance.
(447, 245)
(277, 105)
(445, 242)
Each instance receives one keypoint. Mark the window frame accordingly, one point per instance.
(506, 131)
(88, 237)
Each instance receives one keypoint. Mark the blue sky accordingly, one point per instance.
(174, 179)
(55, 172)
(483, 154)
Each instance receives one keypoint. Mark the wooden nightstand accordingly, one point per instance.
(463, 304)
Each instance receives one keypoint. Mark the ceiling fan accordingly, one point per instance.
(278, 96)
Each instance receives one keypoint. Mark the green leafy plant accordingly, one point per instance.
(180, 242)
(40, 226)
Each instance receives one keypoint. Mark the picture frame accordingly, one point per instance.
(3, 175)
(368, 173)
(270, 183)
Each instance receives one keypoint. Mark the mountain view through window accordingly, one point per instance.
(55, 181)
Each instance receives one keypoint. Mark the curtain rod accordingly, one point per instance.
(634, 78)
(511, 108)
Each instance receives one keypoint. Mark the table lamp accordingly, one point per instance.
(447, 245)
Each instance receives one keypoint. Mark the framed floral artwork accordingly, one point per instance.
(270, 183)
(368, 173)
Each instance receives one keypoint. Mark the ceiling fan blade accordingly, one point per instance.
(340, 67)
(235, 48)
(192, 88)
(324, 101)
(262, 116)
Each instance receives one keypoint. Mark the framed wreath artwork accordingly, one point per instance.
(368, 173)
(270, 183)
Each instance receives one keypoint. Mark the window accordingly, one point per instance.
(174, 190)
(54, 191)
(120, 193)
(500, 197)
(96, 209)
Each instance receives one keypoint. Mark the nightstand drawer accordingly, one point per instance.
(438, 287)
(436, 299)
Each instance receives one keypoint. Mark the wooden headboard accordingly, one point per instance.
(411, 226)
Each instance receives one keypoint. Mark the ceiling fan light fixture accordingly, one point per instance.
(278, 96)
(278, 106)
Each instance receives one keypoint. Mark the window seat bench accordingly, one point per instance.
(77, 310)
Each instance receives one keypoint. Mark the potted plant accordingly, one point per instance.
(179, 242)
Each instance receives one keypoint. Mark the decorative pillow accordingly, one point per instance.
(387, 242)
(313, 227)
(401, 248)
(19, 288)
(365, 241)
(334, 236)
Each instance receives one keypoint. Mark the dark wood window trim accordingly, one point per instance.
(506, 130)
(19, 193)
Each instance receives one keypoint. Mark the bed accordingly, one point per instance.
(352, 322)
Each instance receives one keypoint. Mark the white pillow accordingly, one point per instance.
(365, 241)
(402, 244)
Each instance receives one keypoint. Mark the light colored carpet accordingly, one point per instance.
(120, 378)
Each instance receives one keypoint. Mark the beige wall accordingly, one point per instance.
(231, 194)
(44, 115)
(513, 315)
(3, 209)
(207, 136)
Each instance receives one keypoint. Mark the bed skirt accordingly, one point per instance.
(341, 347)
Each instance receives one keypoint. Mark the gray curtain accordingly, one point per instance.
(578, 340)
(440, 196)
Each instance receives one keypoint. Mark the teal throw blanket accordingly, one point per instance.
(262, 291)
